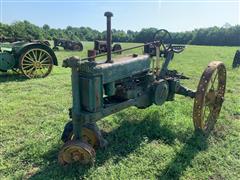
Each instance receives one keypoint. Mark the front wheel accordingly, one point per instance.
(209, 96)
(76, 151)
(90, 134)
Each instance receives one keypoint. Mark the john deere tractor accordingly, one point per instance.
(32, 59)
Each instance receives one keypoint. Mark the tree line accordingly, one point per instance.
(218, 36)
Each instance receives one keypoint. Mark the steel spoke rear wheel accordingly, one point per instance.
(36, 63)
(209, 96)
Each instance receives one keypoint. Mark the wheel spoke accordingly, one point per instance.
(35, 55)
(29, 65)
(212, 82)
(45, 59)
(40, 56)
(28, 62)
(27, 70)
(28, 58)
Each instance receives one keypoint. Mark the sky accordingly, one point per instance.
(173, 15)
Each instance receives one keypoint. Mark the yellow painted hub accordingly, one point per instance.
(76, 151)
(37, 64)
(89, 136)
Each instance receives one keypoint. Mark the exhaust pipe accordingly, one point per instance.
(109, 37)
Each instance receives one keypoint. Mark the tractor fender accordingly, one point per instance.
(32, 45)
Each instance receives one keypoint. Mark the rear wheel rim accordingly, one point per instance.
(209, 96)
(36, 63)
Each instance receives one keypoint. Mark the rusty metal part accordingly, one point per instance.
(92, 53)
(90, 134)
(109, 36)
(76, 151)
(209, 96)
(118, 51)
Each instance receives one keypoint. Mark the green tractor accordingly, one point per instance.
(32, 59)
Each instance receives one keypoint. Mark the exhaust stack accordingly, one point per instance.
(109, 37)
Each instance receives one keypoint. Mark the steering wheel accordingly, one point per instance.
(164, 38)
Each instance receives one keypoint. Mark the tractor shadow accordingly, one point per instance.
(123, 141)
(11, 77)
(183, 159)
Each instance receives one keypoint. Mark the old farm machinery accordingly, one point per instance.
(236, 60)
(4, 39)
(101, 88)
(101, 47)
(67, 45)
(32, 59)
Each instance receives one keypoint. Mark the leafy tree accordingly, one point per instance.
(219, 36)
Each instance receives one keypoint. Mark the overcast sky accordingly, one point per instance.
(174, 15)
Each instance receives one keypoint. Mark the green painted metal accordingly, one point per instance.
(11, 53)
(101, 88)
(7, 61)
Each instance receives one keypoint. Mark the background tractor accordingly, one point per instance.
(101, 47)
(33, 59)
(67, 45)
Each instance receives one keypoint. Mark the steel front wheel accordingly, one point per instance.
(209, 96)
(90, 134)
(36, 63)
(76, 151)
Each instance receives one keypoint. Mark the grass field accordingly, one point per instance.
(158, 142)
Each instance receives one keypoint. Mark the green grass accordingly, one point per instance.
(157, 142)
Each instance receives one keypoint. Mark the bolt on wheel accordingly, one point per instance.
(76, 151)
(209, 96)
(36, 63)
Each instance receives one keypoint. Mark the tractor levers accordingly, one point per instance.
(172, 76)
